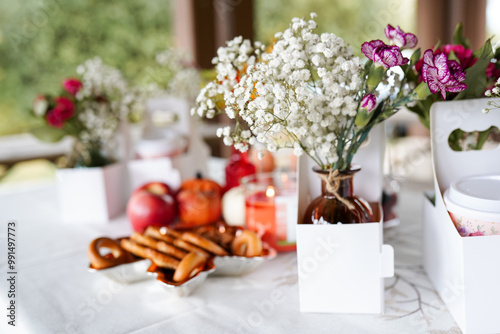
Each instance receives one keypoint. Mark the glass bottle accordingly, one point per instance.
(238, 167)
(328, 209)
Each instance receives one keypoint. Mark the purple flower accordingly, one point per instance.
(368, 102)
(442, 74)
(400, 38)
(462, 230)
(383, 54)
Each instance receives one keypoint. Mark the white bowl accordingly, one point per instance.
(180, 289)
(127, 272)
(232, 265)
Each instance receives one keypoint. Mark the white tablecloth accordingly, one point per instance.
(56, 293)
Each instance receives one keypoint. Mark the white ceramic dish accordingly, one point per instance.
(181, 289)
(126, 273)
(240, 265)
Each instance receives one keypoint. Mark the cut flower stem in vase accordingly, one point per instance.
(88, 154)
(337, 204)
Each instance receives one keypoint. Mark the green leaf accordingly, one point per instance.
(438, 44)
(454, 140)
(48, 134)
(362, 118)
(453, 56)
(422, 109)
(459, 38)
(497, 53)
(422, 91)
(475, 76)
(482, 138)
(375, 76)
(415, 57)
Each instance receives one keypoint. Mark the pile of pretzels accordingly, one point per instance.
(185, 253)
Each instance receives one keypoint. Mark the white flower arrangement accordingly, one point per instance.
(309, 92)
(104, 100)
(175, 77)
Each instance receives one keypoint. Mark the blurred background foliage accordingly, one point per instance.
(42, 41)
(356, 21)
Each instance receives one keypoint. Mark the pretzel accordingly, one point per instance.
(190, 248)
(99, 261)
(246, 243)
(203, 243)
(189, 266)
(168, 231)
(160, 259)
(170, 250)
(154, 232)
(158, 245)
(145, 241)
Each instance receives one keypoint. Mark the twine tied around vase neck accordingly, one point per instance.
(332, 182)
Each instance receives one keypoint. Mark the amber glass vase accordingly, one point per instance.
(328, 209)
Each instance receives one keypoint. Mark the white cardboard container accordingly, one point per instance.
(341, 267)
(464, 270)
(91, 195)
(195, 158)
(172, 170)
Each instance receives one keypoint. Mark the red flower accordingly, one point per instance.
(63, 111)
(66, 103)
(465, 56)
(72, 86)
(492, 71)
(476, 234)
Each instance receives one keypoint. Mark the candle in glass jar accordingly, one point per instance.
(266, 213)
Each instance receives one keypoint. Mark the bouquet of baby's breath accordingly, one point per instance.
(90, 109)
(310, 93)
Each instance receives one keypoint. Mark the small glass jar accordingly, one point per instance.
(271, 208)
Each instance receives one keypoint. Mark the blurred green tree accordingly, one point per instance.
(356, 21)
(42, 42)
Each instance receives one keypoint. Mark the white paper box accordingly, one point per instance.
(341, 267)
(464, 270)
(91, 195)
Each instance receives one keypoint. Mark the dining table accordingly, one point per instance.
(56, 293)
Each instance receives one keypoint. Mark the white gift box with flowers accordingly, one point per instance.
(465, 270)
(92, 187)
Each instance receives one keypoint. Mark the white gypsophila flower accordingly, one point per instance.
(105, 99)
(176, 76)
(303, 93)
(231, 63)
(288, 100)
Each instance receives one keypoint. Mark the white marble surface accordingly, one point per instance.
(56, 294)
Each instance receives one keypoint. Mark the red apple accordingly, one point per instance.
(151, 204)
